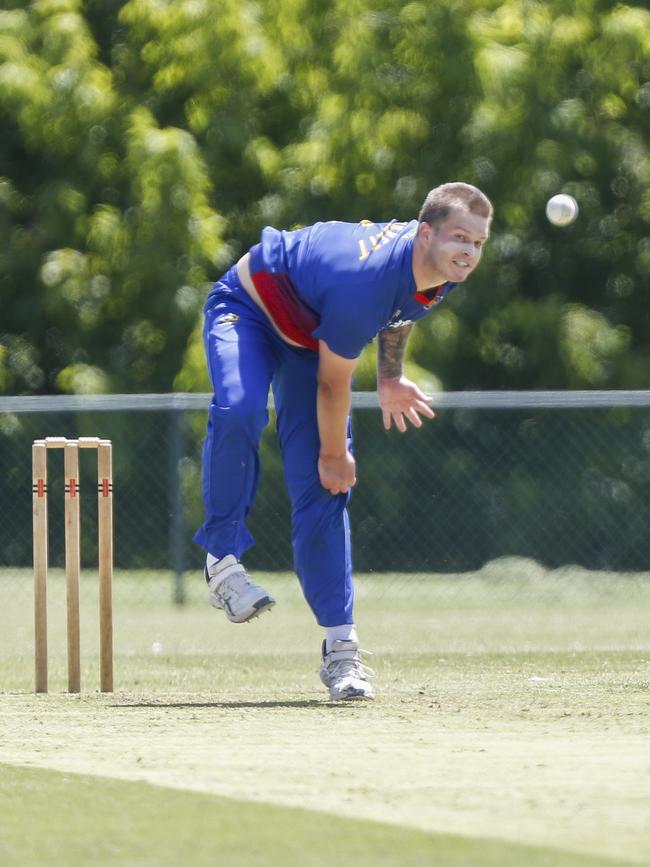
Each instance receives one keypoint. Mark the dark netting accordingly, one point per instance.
(560, 486)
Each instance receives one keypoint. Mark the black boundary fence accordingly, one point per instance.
(562, 478)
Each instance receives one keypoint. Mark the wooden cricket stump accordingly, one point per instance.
(70, 449)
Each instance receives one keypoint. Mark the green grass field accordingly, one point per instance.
(511, 727)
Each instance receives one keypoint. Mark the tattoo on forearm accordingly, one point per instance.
(390, 352)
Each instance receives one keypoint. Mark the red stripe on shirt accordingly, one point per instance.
(290, 315)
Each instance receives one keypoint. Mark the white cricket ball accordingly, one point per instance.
(561, 210)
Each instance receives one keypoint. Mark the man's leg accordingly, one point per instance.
(320, 526)
(241, 358)
(240, 362)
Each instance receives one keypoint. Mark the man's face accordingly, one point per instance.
(452, 249)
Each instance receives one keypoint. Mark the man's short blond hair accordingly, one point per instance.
(441, 200)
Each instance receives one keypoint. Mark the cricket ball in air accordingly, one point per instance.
(562, 209)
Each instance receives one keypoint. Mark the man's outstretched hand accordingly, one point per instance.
(400, 399)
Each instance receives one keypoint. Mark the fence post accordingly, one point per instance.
(176, 516)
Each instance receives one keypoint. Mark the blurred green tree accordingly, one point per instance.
(525, 99)
(146, 142)
(110, 233)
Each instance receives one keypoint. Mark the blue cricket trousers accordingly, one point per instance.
(245, 358)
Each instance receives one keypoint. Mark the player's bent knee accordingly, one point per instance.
(243, 415)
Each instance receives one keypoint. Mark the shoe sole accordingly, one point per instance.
(260, 607)
(355, 696)
(358, 697)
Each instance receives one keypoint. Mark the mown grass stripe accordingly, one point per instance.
(53, 818)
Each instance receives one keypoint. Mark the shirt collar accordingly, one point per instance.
(433, 296)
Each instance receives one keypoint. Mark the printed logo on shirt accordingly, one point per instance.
(228, 319)
(379, 239)
(396, 322)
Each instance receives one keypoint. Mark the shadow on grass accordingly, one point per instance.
(265, 705)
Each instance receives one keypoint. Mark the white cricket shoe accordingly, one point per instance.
(230, 587)
(344, 673)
